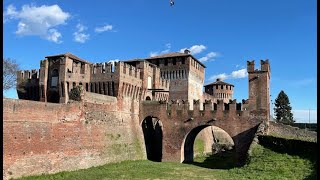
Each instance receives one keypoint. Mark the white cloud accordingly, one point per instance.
(208, 56)
(38, 21)
(54, 36)
(103, 28)
(152, 54)
(156, 53)
(195, 49)
(81, 27)
(79, 35)
(9, 13)
(242, 73)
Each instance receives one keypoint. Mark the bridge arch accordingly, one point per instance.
(187, 147)
(153, 135)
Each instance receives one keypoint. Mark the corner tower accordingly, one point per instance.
(259, 86)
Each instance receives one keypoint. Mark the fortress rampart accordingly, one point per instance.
(115, 120)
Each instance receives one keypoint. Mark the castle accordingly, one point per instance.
(166, 77)
(151, 108)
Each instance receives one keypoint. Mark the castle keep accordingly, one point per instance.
(150, 108)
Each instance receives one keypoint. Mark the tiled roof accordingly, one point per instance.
(70, 56)
(174, 54)
(219, 83)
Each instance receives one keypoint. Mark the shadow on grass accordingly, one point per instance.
(294, 147)
(221, 160)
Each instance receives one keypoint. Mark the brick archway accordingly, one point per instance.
(153, 136)
(187, 150)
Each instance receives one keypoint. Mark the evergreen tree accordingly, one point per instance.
(283, 109)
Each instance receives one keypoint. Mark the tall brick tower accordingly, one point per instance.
(185, 72)
(259, 87)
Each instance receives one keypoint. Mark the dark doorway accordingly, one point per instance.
(148, 98)
(53, 96)
(152, 131)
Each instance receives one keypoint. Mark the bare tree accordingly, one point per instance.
(10, 68)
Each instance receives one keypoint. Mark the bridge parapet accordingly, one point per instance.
(181, 108)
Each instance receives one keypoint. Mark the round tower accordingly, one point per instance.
(220, 90)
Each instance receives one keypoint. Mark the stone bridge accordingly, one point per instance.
(170, 129)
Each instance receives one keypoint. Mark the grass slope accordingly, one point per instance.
(264, 164)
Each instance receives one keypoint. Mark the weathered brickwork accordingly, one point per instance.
(46, 138)
(145, 108)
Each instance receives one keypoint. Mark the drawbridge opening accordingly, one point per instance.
(208, 146)
(152, 131)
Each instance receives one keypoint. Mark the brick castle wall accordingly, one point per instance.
(47, 138)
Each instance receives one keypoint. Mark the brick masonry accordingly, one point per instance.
(106, 126)
(47, 138)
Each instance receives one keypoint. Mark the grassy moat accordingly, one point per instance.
(264, 164)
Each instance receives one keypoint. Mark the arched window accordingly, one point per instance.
(54, 78)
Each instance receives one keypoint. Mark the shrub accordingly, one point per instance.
(75, 93)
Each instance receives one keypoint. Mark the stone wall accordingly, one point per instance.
(287, 131)
(47, 138)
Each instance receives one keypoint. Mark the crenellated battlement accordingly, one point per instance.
(28, 74)
(130, 70)
(109, 68)
(208, 106)
(264, 66)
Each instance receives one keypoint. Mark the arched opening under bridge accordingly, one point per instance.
(152, 131)
(214, 140)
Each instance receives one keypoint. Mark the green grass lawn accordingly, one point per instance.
(264, 164)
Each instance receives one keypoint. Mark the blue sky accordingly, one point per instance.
(223, 34)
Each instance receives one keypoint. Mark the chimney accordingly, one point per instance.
(186, 51)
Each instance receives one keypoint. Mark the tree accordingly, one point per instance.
(283, 109)
(10, 68)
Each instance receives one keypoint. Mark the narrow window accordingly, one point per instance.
(113, 93)
(68, 87)
(149, 82)
(62, 90)
(82, 68)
